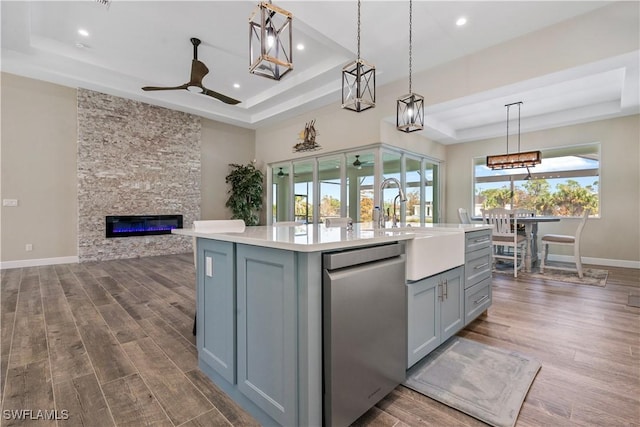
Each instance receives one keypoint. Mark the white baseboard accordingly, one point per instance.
(38, 262)
(596, 261)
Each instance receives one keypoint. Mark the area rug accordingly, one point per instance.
(591, 276)
(485, 382)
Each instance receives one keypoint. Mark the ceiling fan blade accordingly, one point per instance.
(198, 71)
(148, 88)
(221, 97)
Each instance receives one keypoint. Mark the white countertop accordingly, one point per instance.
(317, 237)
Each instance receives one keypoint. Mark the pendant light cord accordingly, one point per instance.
(509, 106)
(358, 30)
(410, 40)
(519, 105)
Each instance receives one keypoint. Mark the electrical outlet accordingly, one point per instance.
(208, 266)
(28, 247)
(10, 202)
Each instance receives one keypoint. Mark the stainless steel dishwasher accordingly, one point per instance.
(364, 329)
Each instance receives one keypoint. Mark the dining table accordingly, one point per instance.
(531, 231)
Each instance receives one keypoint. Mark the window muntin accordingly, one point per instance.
(564, 184)
(431, 200)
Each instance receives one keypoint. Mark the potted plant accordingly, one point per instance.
(245, 194)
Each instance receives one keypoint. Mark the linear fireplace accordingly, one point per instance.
(141, 225)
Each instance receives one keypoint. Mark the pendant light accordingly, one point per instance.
(520, 159)
(358, 82)
(410, 107)
(270, 41)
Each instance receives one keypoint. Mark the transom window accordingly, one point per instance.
(565, 184)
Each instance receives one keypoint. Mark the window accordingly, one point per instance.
(329, 170)
(303, 191)
(564, 184)
(391, 168)
(360, 178)
(346, 184)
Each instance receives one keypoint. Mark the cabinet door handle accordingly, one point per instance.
(446, 289)
(483, 239)
(440, 291)
(478, 267)
(481, 300)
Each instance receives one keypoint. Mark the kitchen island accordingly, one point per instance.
(260, 312)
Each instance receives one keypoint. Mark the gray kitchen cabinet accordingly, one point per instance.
(452, 303)
(266, 331)
(435, 307)
(216, 321)
(477, 299)
(477, 283)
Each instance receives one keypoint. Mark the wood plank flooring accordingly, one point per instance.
(110, 343)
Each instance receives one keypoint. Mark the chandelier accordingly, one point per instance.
(410, 107)
(520, 159)
(358, 82)
(270, 41)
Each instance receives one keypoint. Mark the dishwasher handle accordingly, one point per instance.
(336, 260)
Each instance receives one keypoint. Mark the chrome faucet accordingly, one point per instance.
(401, 195)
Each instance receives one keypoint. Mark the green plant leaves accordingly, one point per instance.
(245, 194)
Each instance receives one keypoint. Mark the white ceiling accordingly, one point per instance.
(146, 43)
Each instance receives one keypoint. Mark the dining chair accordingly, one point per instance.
(523, 213)
(463, 214)
(564, 240)
(505, 235)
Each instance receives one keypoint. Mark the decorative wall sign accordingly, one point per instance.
(307, 138)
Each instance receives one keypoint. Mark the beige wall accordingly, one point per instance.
(221, 144)
(616, 234)
(39, 169)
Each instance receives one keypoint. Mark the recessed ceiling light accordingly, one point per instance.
(236, 85)
(461, 21)
(83, 32)
(81, 45)
(300, 46)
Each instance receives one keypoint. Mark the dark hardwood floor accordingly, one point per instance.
(110, 343)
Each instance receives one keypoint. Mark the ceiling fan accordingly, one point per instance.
(198, 71)
(359, 164)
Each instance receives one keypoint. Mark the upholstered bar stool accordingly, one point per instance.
(564, 240)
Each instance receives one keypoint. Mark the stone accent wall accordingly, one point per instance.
(134, 159)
